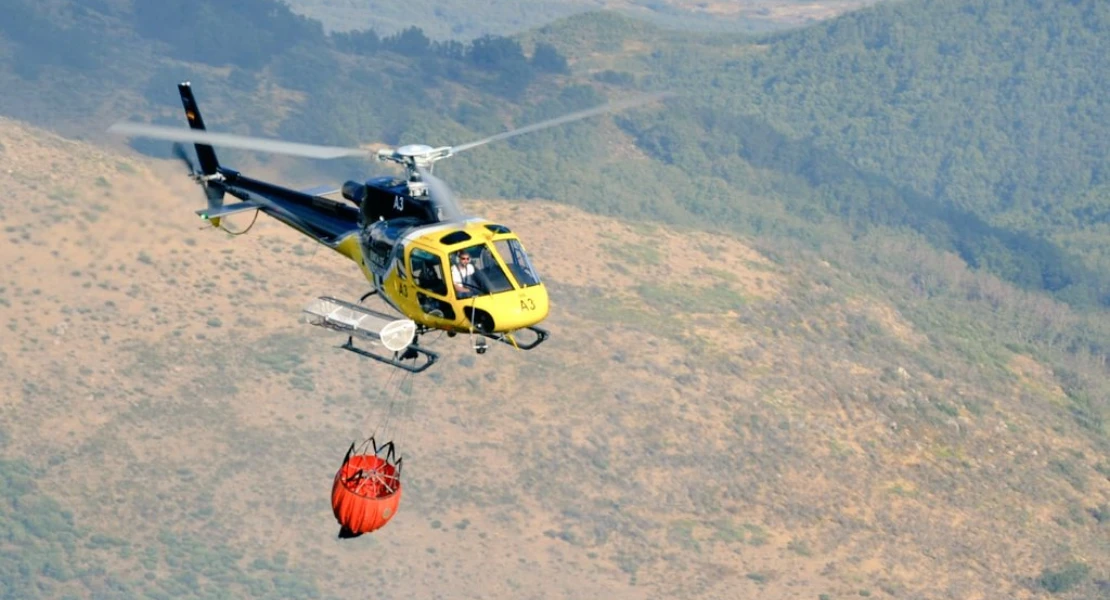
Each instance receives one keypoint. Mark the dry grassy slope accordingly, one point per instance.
(705, 422)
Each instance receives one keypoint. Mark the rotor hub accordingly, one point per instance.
(414, 150)
(415, 157)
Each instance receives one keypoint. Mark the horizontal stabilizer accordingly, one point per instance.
(230, 209)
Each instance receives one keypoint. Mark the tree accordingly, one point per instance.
(410, 42)
(547, 59)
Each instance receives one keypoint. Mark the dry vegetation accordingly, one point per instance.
(708, 421)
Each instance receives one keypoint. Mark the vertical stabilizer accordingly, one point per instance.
(205, 154)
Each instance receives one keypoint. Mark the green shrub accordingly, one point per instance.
(1069, 576)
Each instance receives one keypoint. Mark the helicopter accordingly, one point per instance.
(436, 267)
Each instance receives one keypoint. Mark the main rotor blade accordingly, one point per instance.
(230, 140)
(576, 116)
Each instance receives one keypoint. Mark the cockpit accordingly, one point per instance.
(472, 273)
(480, 269)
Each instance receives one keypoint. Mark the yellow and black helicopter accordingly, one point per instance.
(431, 263)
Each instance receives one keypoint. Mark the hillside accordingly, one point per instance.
(714, 417)
(979, 127)
(469, 20)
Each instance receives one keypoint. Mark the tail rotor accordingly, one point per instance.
(213, 189)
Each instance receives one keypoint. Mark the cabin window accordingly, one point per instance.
(455, 237)
(475, 271)
(379, 255)
(512, 252)
(434, 307)
(427, 271)
(399, 260)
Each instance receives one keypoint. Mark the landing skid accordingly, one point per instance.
(541, 336)
(412, 352)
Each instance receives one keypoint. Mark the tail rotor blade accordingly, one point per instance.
(179, 152)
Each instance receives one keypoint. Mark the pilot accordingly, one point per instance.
(462, 274)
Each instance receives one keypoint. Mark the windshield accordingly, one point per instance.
(517, 260)
(474, 272)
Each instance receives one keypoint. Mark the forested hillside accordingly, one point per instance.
(983, 125)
